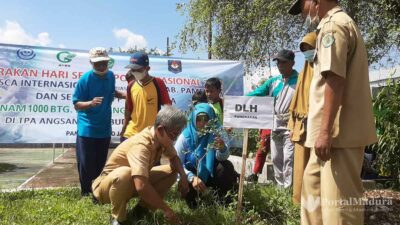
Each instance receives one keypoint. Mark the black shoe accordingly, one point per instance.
(85, 193)
(139, 212)
(252, 178)
(94, 200)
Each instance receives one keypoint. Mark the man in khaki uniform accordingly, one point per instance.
(341, 121)
(131, 170)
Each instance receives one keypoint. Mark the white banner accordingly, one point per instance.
(37, 83)
(248, 112)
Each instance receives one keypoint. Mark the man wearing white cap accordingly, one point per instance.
(92, 99)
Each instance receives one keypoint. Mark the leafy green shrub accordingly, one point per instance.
(387, 114)
(270, 205)
(254, 140)
(252, 145)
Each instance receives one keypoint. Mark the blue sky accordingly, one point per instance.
(83, 24)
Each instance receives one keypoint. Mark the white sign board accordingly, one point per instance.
(248, 112)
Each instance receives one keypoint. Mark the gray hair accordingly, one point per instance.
(171, 118)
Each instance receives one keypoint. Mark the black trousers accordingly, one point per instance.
(225, 179)
(91, 156)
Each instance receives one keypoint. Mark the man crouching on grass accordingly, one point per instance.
(132, 171)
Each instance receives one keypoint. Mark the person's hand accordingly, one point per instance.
(219, 143)
(198, 185)
(290, 134)
(183, 186)
(171, 217)
(96, 101)
(323, 146)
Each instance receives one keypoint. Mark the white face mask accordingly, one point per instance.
(139, 75)
(309, 55)
(311, 24)
(100, 73)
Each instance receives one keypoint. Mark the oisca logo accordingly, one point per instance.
(65, 57)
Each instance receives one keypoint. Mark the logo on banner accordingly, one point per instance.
(175, 66)
(26, 53)
(65, 56)
(111, 63)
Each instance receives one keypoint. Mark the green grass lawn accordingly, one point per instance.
(262, 205)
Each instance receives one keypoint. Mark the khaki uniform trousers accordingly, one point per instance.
(118, 188)
(332, 190)
(301, 156)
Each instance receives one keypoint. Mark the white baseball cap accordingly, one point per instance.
(98, 54)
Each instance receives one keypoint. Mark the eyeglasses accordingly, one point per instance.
(173, 135)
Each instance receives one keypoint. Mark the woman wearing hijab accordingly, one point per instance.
(298, 114)
(203, 149)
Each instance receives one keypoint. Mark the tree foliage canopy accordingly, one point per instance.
(253, 30)
(151, 51)
(387, 118)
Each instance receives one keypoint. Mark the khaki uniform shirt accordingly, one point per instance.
(138, 153)
(340, 49)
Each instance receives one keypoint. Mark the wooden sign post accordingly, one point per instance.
(242, 175)
(247, 112)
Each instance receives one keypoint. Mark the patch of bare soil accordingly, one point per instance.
(382, 207)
